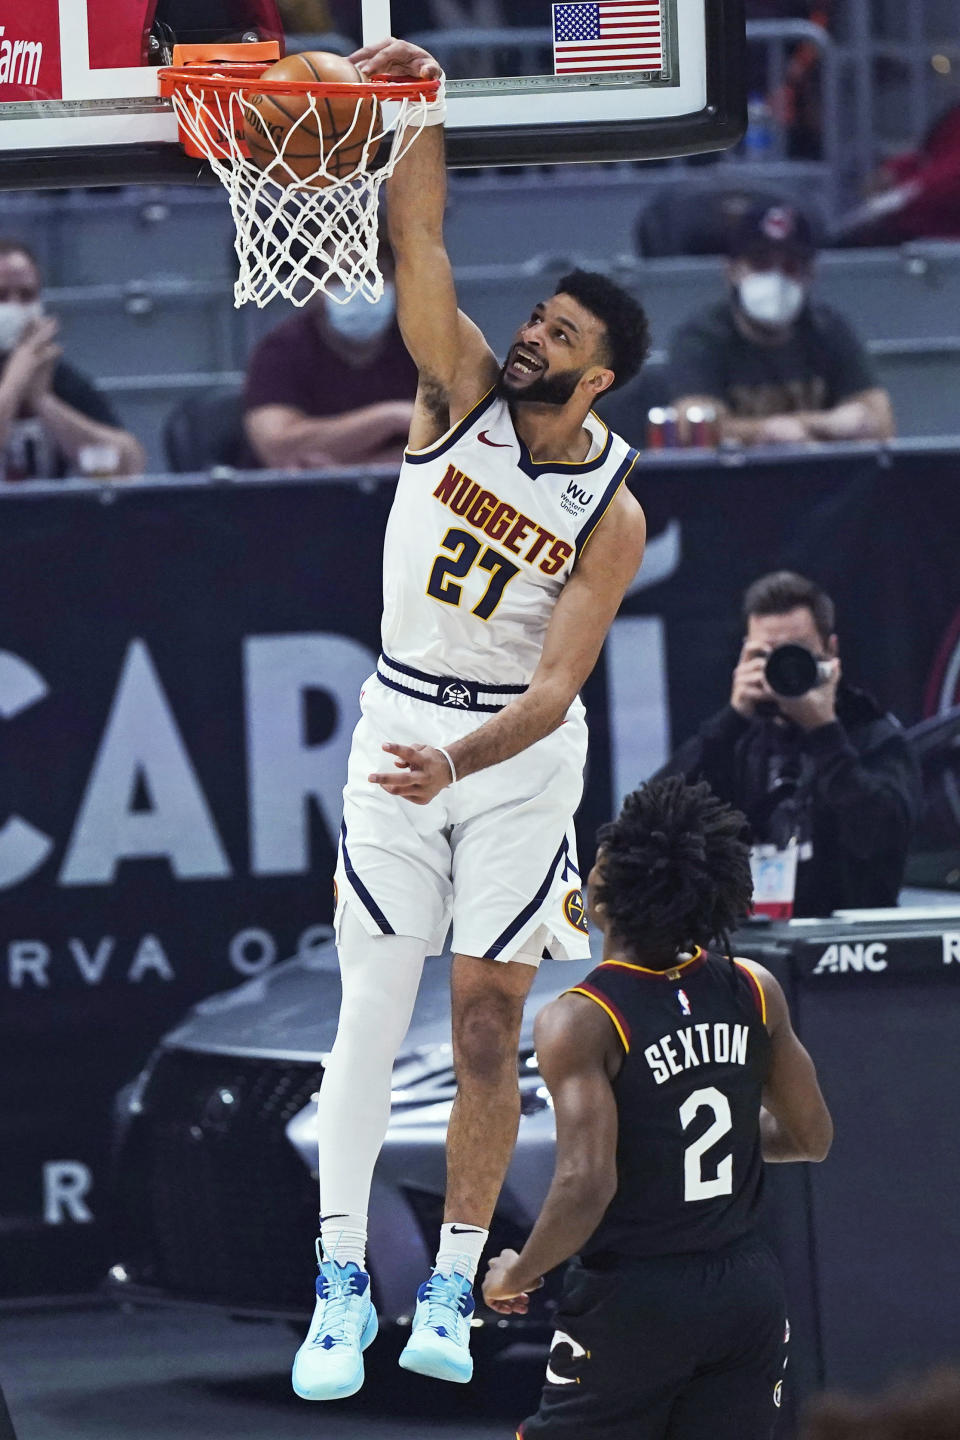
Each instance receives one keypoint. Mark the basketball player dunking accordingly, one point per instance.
(510, 544)
(672, 1323)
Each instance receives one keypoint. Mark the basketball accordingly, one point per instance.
(334, 136)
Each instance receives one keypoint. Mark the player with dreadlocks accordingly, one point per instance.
(674, 1073)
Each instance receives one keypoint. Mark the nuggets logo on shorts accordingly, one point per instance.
(336, 893)
(778, 1393)
(456, 695)
(574, 910)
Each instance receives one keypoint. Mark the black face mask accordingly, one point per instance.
(545, 390)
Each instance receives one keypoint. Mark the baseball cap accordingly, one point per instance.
(763, 228)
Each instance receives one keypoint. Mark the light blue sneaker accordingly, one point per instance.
(329, 1363)
(439, 1343)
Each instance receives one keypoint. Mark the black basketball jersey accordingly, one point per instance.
(696, 1054)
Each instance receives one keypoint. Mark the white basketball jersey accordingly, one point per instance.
(481, 540)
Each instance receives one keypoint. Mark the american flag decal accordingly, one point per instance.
(597, 35)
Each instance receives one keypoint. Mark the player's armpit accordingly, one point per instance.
(795, 1123)
(431, 412)
(443, 403)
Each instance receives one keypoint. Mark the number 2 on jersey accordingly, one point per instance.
(694, 1185)
(464, 554)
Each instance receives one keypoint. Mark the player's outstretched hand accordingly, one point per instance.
(421, 773)
(396, 57)
(500, 1290)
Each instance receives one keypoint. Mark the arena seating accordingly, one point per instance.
(158, 326)
(115, 262)
(206, 431)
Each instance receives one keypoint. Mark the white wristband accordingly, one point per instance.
(435, 111)
(453, 768)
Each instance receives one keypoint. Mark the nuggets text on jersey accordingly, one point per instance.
(489, 535)
(500, 521)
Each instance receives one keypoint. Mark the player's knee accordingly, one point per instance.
(485, 1035)
(372, 1022)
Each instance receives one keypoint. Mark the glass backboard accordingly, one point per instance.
(529, 81)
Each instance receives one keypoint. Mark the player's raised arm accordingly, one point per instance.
(455, 363)
(795, 1123)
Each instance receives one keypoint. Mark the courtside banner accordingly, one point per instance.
(179, 673)
(883, 952)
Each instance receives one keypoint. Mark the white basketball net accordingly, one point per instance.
(294, 240)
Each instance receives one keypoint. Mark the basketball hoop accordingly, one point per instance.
(301, 227)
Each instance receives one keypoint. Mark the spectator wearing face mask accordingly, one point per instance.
(780, 367)
(50, 414)
(333, 385)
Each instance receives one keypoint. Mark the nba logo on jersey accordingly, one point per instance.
(684, 1002)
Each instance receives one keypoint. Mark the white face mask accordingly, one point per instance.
(358, 321)
(15, 316)
(771, 298)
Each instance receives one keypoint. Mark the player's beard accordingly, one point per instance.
(545, 390)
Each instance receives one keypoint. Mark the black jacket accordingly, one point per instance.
(849, 791)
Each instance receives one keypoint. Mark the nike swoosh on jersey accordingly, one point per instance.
(496, 444)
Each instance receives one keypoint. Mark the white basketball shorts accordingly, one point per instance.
(495, 853)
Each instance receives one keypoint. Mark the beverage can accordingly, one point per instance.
(703, 426)
(662, 428)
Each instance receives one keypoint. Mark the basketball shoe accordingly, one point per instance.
(329, 1363)
(439, 1343)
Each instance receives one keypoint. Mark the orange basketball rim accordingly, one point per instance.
(305, 194)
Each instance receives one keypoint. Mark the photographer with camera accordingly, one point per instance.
(827, 781)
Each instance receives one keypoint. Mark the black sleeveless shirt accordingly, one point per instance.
(696, 1054)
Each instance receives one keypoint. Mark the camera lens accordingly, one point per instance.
(791, 670)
